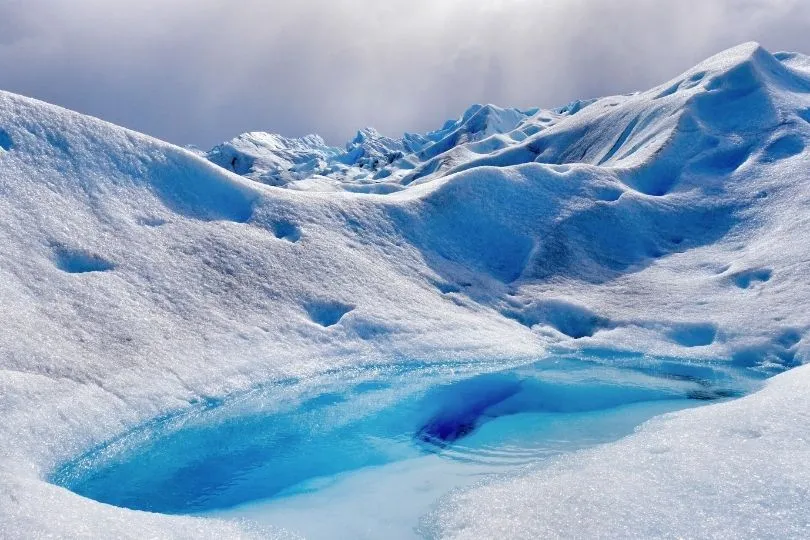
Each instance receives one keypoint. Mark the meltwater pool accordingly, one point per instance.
(367, 452)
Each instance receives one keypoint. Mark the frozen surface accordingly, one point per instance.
(138, 280)
(732, 470)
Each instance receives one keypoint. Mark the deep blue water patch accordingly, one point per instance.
(279, 440)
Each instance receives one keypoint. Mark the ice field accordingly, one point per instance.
(586, 321)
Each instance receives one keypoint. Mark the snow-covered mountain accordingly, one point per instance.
(138, 278)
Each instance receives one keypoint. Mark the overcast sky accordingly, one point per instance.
(202, 71)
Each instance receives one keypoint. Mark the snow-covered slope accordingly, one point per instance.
(137, 278)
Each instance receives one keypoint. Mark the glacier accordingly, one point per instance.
(139, 279)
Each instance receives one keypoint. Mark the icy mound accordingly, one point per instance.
(138, 278)
(273, 159)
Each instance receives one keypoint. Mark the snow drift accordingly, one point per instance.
(138, 278)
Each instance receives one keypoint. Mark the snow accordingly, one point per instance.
(731, 470)
(138, 278)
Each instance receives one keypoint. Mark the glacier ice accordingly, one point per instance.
(139, 279)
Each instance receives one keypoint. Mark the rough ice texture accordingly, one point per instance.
(137, 277)
(733, 470)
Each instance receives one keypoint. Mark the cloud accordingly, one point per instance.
(201, 71)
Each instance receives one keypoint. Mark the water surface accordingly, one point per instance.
(367, 452)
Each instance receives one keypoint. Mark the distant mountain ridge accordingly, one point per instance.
(615, 131)
(370, 161)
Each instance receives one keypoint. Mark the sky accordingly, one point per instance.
(203, 71)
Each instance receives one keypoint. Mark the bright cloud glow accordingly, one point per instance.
(202, 71)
